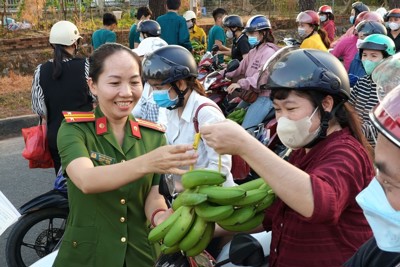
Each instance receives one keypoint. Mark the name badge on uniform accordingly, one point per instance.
(102, 158)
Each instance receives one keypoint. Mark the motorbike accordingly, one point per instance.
(215, 85)
(41, 226)
(208, 63)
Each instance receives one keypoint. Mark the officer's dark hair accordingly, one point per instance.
(219, 12)
(173, 4)
(109, 19)
(143, 11)
(98, 57)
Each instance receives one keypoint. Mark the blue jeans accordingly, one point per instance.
(256, 112)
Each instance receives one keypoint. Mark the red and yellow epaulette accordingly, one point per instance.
(78, 116)
(151, 125)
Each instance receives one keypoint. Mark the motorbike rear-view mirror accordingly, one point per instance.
(215, 48)
(167, 187)
(246, 250)
(232, 65)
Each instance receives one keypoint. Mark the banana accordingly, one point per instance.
(252, 197)
(198, 177)
(265, 186)
(246, 226)
(211, 213)
(180, 227)
(203, 242)
(188, 198)
(266, 202)
(158, 232)
(239, 216)
(194, 235)
(253, 184)
(169, 250)
(222, 195)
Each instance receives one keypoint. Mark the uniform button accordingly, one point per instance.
(122, 201)
(122, 219)
(123, 160)
(275, 250)
(123, 239)
(281, 224)
(74, 244)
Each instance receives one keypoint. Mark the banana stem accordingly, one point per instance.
(195, 146)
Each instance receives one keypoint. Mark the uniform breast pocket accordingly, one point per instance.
(78, 247)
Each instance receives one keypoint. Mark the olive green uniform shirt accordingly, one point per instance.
(107, 229)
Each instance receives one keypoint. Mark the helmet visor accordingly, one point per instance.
(303, 17)
(386, 75)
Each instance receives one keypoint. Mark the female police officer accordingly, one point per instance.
(112, 161)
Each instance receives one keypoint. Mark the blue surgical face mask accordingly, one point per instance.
(302, 32)
(381, 216)
(352, 19)
(369, 65)
(141, 38)
(162, 99)
(253, 41)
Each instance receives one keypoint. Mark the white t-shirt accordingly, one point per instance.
(181, 131)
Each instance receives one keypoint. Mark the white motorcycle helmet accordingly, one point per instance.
(189, 15)
(64, 33)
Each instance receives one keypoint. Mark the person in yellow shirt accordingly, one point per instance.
(196, 33)
(309, 31)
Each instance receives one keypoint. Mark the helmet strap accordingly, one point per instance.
(324, 125)
(181, 96)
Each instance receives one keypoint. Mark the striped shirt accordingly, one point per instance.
(364, 98)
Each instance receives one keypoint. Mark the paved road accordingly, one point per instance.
(17, 181)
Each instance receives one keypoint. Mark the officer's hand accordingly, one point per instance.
(162, 216)
(170, 158)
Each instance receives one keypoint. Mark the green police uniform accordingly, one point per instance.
(109, 228)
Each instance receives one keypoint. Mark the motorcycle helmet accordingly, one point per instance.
(257, 23)
(64, 33)
(386, 75)
(189, 15)
(393, 13)
(359, 7)
(370, 27)
(305, 69)
(386, 116)
(309, 17)
(149, 27)
(169, 64)
(369, 16)
(233, 21)
(325, 9)
(379, 42)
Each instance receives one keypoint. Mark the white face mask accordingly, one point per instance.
(189, 24)
(358, 43)
(296, 134)
(302, 32)
(394, 26)
(381, 216)
(229, 34)
(141, 38)
(323, 18)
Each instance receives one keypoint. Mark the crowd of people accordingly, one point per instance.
(134, 112)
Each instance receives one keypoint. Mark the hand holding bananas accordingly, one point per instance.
(203, 203)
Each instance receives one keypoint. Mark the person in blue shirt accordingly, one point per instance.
(143, 13)
(216, 35)
(173, 27)
(106, 34)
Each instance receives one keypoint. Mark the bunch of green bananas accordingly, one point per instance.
(203, 203)
(237, 115)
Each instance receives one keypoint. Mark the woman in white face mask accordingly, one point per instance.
(393, 25)
(315, 214)
(311, 35)
(380, 201)
(373, 50)
(327, 19)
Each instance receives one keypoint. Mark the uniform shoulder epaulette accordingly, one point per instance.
(151, 125)
(78, 116)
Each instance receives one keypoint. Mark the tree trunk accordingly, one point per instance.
(347, 9)
(157, 7)
(307, 5)
(393, 4)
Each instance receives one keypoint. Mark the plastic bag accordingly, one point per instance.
(36, 148)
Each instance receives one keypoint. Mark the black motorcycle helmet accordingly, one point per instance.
(170, 64)
(149, 27)
(307, 70)
(370, 27)
(358, 8)
(233, 21)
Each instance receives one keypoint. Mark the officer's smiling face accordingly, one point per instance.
(119, 86)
